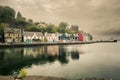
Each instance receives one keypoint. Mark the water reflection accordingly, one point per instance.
(75, 55)
(9, 60)
(13, 59)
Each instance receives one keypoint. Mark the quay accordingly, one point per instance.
(14, 45)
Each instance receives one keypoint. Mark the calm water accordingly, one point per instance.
(100, 60)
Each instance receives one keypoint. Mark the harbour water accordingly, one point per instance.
(100, 60)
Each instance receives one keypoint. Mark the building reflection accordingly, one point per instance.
(16, 58)
(62, 57)
(75, 55)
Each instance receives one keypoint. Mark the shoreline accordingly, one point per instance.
(46, 78)
(14, 45)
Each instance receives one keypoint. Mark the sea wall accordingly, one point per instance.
(13, 45)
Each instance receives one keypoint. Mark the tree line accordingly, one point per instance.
(10, 18)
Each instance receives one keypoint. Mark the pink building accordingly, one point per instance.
(80, 36)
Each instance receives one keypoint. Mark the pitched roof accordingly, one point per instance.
(11, 30)
(27, 33)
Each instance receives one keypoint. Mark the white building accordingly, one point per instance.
(51, 37)
(30, 37)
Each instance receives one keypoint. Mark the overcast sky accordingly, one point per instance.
(94, 16)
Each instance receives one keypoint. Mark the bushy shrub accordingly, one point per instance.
(23, 73)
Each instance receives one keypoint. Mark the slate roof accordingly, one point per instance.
(11, 30)
(26, 33)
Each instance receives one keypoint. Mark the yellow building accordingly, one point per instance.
(12, 35)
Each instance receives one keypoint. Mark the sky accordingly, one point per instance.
(94, 16)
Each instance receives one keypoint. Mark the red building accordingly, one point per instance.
(80, 36)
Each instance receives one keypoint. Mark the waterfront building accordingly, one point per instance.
(80, 36)
(17, 35)
(74, 28)
(64, 37)
(73, 37)
(31, 37)
(86, 36)
(51, 37)
(90, 37)
(76, 37)
(12, 35)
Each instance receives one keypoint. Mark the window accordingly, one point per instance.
(9, 34)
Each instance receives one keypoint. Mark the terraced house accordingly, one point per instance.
(31, 37)
(12, 35)
(51, 37)
(17, 35)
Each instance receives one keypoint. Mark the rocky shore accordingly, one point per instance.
(45, 78)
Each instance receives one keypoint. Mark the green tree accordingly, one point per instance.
(30, 21)
(2, 26)
(51, 28)
(20, 18)
(68, 30)
(20, 21)
(32, 27)
(42, 29)
(19, 15)
(62, 27)
(7, 14)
